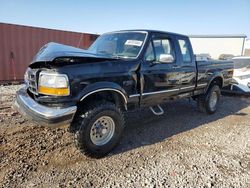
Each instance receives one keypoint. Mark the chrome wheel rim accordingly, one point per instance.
(102, 130)
(213, 100)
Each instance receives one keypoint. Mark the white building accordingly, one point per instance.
(215, 45)
(247, 47)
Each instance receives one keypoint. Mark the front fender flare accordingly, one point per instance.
(103, 86)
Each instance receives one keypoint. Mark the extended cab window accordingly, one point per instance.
(157, 47)
(185, 51)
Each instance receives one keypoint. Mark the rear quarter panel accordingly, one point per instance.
(208, 70)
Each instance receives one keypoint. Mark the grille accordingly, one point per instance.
(32, 81)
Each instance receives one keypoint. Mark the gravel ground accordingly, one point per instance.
(182, 148)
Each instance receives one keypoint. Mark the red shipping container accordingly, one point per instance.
(19, 44)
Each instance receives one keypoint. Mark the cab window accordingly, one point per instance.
(157, 47)
(162, 46)
(186, 57)
(149, 55)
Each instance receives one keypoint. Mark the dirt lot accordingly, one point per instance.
(183, 148)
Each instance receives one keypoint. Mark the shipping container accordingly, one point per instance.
(19, 44)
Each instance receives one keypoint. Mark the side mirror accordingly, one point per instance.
(166, 58)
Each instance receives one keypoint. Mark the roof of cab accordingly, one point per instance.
(150, 31)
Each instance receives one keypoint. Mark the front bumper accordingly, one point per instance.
(43, 115)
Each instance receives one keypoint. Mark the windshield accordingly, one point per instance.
(120, 44)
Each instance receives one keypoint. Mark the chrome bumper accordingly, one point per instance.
(43, 115)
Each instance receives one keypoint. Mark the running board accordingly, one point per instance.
(160, 110)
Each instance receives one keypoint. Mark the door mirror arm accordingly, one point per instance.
(153, 63)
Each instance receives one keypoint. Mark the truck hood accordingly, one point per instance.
(52, 51)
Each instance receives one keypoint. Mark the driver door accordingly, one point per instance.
(160, 78)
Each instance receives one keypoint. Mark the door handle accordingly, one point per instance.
(175, 67)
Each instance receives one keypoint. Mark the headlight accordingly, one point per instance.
(53, 84)
(248, 84)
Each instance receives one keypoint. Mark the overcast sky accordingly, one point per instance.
(181, 16)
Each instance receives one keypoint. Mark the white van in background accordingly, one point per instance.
(241, 76)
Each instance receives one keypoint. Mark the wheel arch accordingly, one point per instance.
(105, 89)
(216, 79)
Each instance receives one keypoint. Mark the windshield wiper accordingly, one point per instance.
(104, 52)
(116, 56)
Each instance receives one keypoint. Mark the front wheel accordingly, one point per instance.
(209, 101)
(99, 129)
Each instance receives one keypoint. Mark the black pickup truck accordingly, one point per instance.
(89, 90)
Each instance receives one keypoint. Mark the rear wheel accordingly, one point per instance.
(99, 129)
(209, 101)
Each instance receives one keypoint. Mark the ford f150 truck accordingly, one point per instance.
(89, 90)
